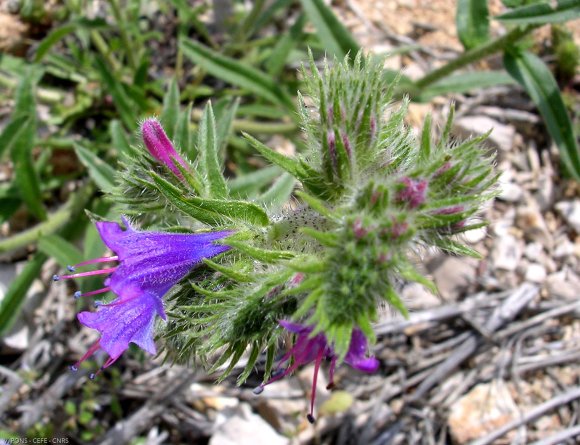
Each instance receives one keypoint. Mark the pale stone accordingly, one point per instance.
(570, 211)
(535, 273)
(482, 410)
(506, 253)
(501, 137)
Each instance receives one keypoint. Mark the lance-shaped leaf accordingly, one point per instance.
(337, 40)
(170, 112)
(472, 21)
(542, 13)
(209, 164)
(536, 78)
(211, 211)
(99, 171)
(236, 73)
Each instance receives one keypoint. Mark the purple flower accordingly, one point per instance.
(160, 146)
(413, 191)
(149, 264)
(307, 349)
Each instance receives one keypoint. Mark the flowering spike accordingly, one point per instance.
(160, 146)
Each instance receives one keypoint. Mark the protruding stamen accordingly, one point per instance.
(105, 259)
(84, 274)
(70, 268)
(258, 390)
(311, 418)
(78, 294)
(94, 348)
(319, 358)
(92, 375)
(73, 368)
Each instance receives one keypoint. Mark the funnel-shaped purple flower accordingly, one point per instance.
(307, 349)
(149, 264)
(160, 146)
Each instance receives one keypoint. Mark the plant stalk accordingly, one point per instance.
(474, 55)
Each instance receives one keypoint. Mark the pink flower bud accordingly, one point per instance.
(160, 146)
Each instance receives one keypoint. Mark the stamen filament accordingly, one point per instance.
(84, 274)
(319, 357)
(78, 294)
(105, 259)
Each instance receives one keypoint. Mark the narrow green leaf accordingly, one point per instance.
(316, 204)
(119, 138)
(225, 120)
(183, 135)
(250, 184)
(237, 210)
(292, 166)
(394, 300)
(279, 193)
(59, 33)
(536, 78)
(57, 247)
(170, 111)
(455, 248)
(124, 105)
(209, 164)
(268, 256)
(228, 272)
(472, 20)
(335, 38)
(16, 294)
(51, 39)
(12, 132)
(464, 82)
(211, 211)
(284, 46)
(542, 13)
(425, 151)
(236, 73)
(26, 177)
(100, 171)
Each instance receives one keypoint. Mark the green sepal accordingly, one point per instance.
(228, 272)
(325, 238)
(455, 248)
(409, 273)
(316, 204)
(394, 300)
(265, 255)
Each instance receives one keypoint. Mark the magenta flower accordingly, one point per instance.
(413, 191)
(149, 264)
(160, 146)
(307, 349)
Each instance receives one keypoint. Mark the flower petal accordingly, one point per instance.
(125, 320)
(155, 261)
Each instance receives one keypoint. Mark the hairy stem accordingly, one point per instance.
(474, 55)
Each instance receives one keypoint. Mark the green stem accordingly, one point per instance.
(254, 127)
(45, 95)
(104, 49)
(54, 222)
(474, 55)
(129, 50)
